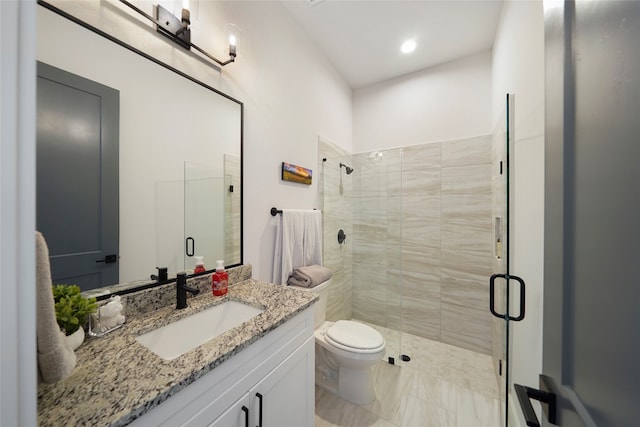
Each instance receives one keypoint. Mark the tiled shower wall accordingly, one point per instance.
(232, 208)
(421, 239)
(334, 192)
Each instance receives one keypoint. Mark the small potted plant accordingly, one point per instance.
(72, 312)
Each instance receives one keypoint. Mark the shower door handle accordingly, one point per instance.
(492, 288)
(193, 246)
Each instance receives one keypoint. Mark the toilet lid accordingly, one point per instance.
(355, 335)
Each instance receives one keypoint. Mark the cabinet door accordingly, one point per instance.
(236, 416)
(286, 396)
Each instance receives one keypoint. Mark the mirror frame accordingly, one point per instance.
(134, 286)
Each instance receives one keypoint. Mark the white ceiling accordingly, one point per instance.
(362, 38)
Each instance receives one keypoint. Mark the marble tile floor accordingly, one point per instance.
(442, 386)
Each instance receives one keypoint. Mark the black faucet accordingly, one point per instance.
(181, 291)
(161, 276)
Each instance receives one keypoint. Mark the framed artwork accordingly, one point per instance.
(294, 173)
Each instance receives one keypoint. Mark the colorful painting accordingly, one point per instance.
(295, 173)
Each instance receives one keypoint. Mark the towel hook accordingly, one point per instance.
(341, 236)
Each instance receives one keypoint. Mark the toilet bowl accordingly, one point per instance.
(346, 352)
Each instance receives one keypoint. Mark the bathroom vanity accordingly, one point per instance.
(260, 373)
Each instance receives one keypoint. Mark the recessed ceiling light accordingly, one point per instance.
(408, 46)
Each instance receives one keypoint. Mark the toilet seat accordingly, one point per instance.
(354, 337)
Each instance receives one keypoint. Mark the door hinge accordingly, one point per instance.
(500, 367)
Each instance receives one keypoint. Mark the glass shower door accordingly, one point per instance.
(355, 193)
(506, 290)
(204, 207)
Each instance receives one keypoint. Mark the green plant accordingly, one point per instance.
(72, 309)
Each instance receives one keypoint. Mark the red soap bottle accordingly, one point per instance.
(199, 265)
(219, 280)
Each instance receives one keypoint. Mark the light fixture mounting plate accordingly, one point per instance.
(170, 26)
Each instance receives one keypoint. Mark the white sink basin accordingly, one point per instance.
(177, 338)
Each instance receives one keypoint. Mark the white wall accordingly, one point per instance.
(449, 101)
(18, 374)
(292, 95)
(290, 91)
(518, 68)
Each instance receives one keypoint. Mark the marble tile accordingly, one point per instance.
(418, 285)
(468, 179)
(467, 209)
(424, 233)
(370, 306)
(424, 181)
(392, 384)
(369, 180)
(465, 278)
(436, 390)
(420, 157)
(370, 251)
(466, 327)
(468, 151)
(339, 303)
(473, 295)
(473, 343)
(394, 207)
(467, 236)
(421, 207)
(370, 208)
(421, 259)
(442, 385)
(475, 409)
(394, 244)
(421, 317)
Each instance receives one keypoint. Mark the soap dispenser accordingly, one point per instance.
(199, 265)
(219, 280)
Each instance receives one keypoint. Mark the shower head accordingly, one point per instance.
(346, 168)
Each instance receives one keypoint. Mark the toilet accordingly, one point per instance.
(346, 352)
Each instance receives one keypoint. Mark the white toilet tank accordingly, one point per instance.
(320, 307)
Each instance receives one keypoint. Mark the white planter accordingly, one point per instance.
(76, 338)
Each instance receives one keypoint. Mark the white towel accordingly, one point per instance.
(298, 242)
(56, 359)
(309, 276)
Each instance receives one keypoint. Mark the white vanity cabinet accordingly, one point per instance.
(281, 399)
(269, 384)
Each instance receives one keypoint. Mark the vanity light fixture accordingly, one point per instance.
(177, 29)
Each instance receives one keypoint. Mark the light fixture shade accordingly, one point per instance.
(233, 35)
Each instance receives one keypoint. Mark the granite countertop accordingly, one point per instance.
(117, 379)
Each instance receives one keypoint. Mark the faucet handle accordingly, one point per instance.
(162, 274)
(182, 289)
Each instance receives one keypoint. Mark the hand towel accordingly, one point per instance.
(309, 276)
(56, 359)
(298, 242)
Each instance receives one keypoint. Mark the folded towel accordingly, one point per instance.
(309, 276)
(111, 322)
(56, 359)
(108, 317)
(298, 242)
(112, 308)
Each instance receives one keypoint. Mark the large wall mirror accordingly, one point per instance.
(180, 153)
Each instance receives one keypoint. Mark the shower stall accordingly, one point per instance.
(423, 230)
